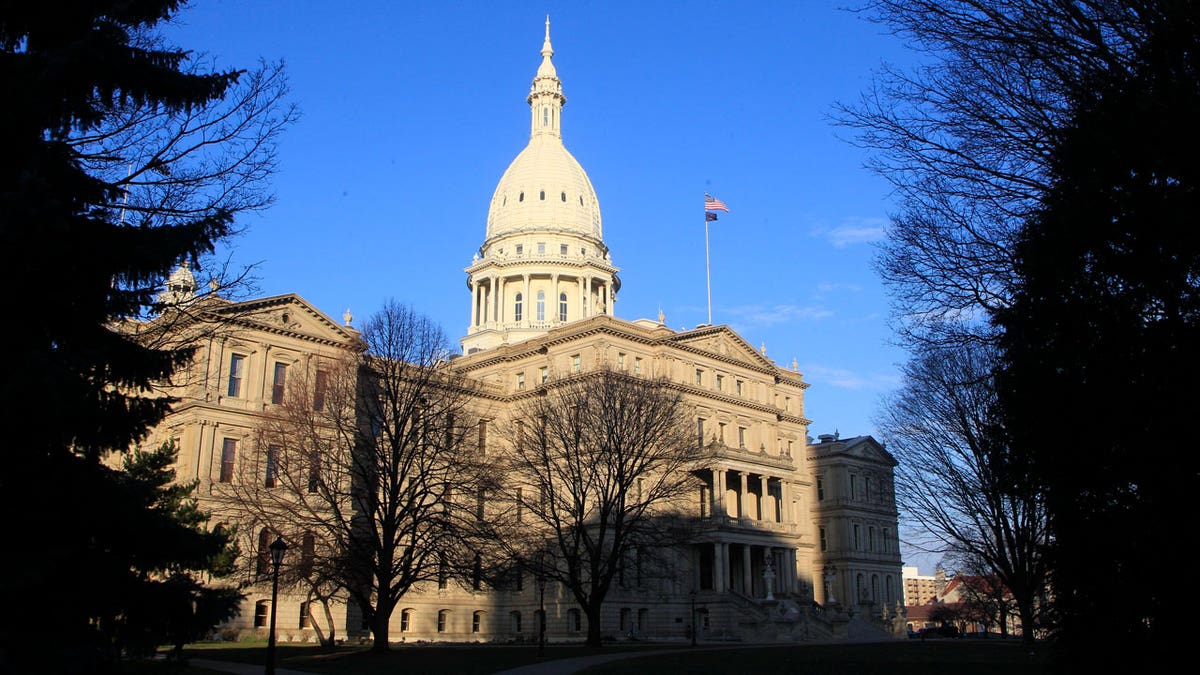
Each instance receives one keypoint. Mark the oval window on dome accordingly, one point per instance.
(564, 196)
(521, 197)
(581, 200)
(504, 202)
(542, 195)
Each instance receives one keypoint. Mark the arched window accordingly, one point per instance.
(859, 588)
(405, 620)
(887, 584)
(874, 588)
(443, 617)
(262, 609)
(264, 551)
(541, 306)
(476, 622)
(562, 306)
(546, 116)
(517, 308)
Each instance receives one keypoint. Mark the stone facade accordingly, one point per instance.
(795, 539)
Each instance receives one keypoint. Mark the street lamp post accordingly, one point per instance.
(695, 625)
(277, 550)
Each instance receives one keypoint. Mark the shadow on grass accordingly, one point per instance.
(890, 658)
(406, 659)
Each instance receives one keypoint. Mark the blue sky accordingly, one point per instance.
(412, 111)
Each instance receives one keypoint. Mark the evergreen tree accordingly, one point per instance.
(86, 544)
(1100, 357)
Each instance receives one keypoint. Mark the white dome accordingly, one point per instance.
(544, 189)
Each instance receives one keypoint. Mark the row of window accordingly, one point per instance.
(859, 489)
(563, 249)
(785, 445)
(478, 618)
(541, 196)
(740, 387)
(882, 545)
(237, 376)
(229, 452)
(540, 307)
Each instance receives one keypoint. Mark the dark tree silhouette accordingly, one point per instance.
(74, 266)
(1100, 343)
(956, 478)
(599, 466)
(373, 480)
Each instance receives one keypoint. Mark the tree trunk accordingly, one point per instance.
(379, 628)
(328, 640)
(593, 619)
(1025, 611)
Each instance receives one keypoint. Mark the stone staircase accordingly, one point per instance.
(784, 619)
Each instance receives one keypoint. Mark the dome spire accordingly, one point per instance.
(545, 95)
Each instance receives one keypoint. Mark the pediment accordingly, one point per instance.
(722, 341)
(289, 314)
(867, 448)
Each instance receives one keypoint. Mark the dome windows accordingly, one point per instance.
(542, 195)
(564, 196)
(521, 197)
(517, 308)
(541, 306)
(581, 200)
(562, 307)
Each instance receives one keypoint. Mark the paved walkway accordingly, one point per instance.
(239, 668)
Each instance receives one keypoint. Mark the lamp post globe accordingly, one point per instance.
(278, 548)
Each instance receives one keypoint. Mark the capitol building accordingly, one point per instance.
(795, 539)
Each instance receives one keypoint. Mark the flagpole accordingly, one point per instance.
(707, 269)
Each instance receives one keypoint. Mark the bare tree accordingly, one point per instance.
(958, 479)
(964, 140)
(361, 466)
(600, 462)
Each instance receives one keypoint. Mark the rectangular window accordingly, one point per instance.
(576, 363)
(541, 248)
(314, 471)
(857, 539)
(637, 366)
(520, 380)
(700, 432)
(228, 456)
(520, 506)
(699, 377)
(483, 437)
(305, 617)
(885, 540)
(476, 619)
(620, 361)
(544, 374)
(738, 386)
(520, 249)
(789, 448)
(824, 542)
(720, 382)
(272, 466)
(562, 249)
(853, 485)
(405, 620)
(441, 621)
(742, 437)
(820, 489)
(237, 364)
(279, 383)
(867, 488)
(870, 538)
(787, 403)
(319, 388)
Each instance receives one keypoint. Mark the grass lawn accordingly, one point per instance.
(977, 657)
(406, 659)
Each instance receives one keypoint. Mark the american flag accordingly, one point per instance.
(710, 216)
(711, 203)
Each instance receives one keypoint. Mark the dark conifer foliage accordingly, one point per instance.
(85, 542)
(1100, 345)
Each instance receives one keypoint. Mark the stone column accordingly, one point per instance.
(747, 580)
(743, 489)
(554, 293)
(718, 495)
(495, 299)
(527, 309)
(785, 497)
(475, 303)
(720, 566)
(763, 498)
